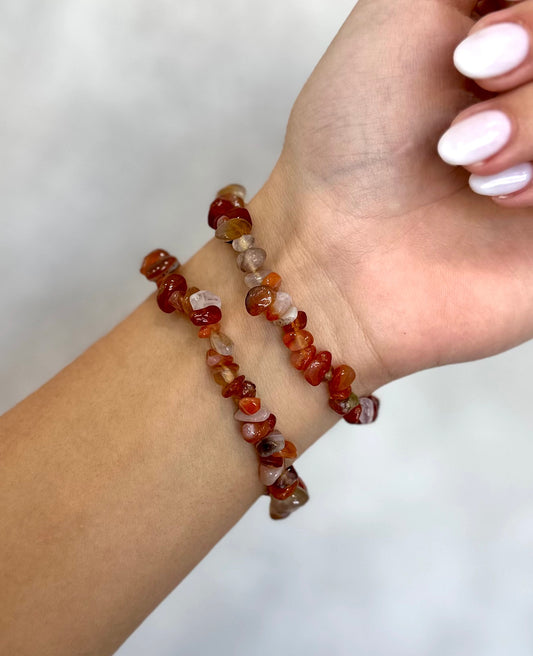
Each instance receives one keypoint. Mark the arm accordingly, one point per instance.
(122, 472)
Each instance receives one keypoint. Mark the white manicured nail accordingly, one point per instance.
(492, 51)
(505, 182)
(475, 138)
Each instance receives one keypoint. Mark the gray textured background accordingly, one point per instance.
(118, 121)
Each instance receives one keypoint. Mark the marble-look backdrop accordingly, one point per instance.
(118, 120)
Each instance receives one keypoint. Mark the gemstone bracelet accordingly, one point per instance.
(257, 424)
(232, 223)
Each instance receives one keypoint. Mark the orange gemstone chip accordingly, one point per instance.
(258, 299)
(272, 280)
(171, 283)
(343, 377)
(318, 368)
(300, 359)
(250, 404)
(298, 340)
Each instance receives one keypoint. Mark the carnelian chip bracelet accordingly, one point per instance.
(232, 223)
(257, 424)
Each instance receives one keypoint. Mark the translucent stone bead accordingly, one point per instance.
(252, 432)
(251, 260)
(250, 405)
(258, 299)
(185, 304)
(287, 461)
(364, 413)
(270, 469)
(272, 280)
(270, 444)
(221, 343)
(152, 258)
(370, 408)
(175, 300)
(281, 304)
(299, 323)
(205, 331)
(203, 298)
(261, 415)
(279, 509)
(248, 389)
(273, 460)
(288, 317)
(234, 388)
(300, 359)
(275, 511)
(221, 207)
(231, 191)
(352, 417)
(317, 368)
(161, 268)
(225, 374)
(298, 340)
(290, 476)
(255, 278)
(214, 358)
(243, 243)
(230, 229)
(285, 485)
(343, 377)
(289, 451)
(341, 394)
(240, 213)
(208, 315)
(170, 284)
(343, 407)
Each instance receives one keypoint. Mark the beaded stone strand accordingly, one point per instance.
(257, 424)
(232, 223)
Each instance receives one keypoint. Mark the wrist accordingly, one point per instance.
(287, 226)
(294, 227)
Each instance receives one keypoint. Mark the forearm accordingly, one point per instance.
(122, 472)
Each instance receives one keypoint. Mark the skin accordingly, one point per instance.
(122, 472)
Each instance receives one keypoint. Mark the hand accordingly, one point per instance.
(430, 272)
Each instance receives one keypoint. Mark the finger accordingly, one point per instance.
(497, 53)
(492, 136)
(522, 198)
(514, 183)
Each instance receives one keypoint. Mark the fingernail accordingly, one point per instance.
(505, 182)
(492, 51)
(475, 138)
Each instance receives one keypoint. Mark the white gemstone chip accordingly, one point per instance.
(282, 304)
(368, 412)
(269, 475)
(203, 298)
(243, 243)
(255, 278)
(288, 317)
(221, 343)
(261, 415)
